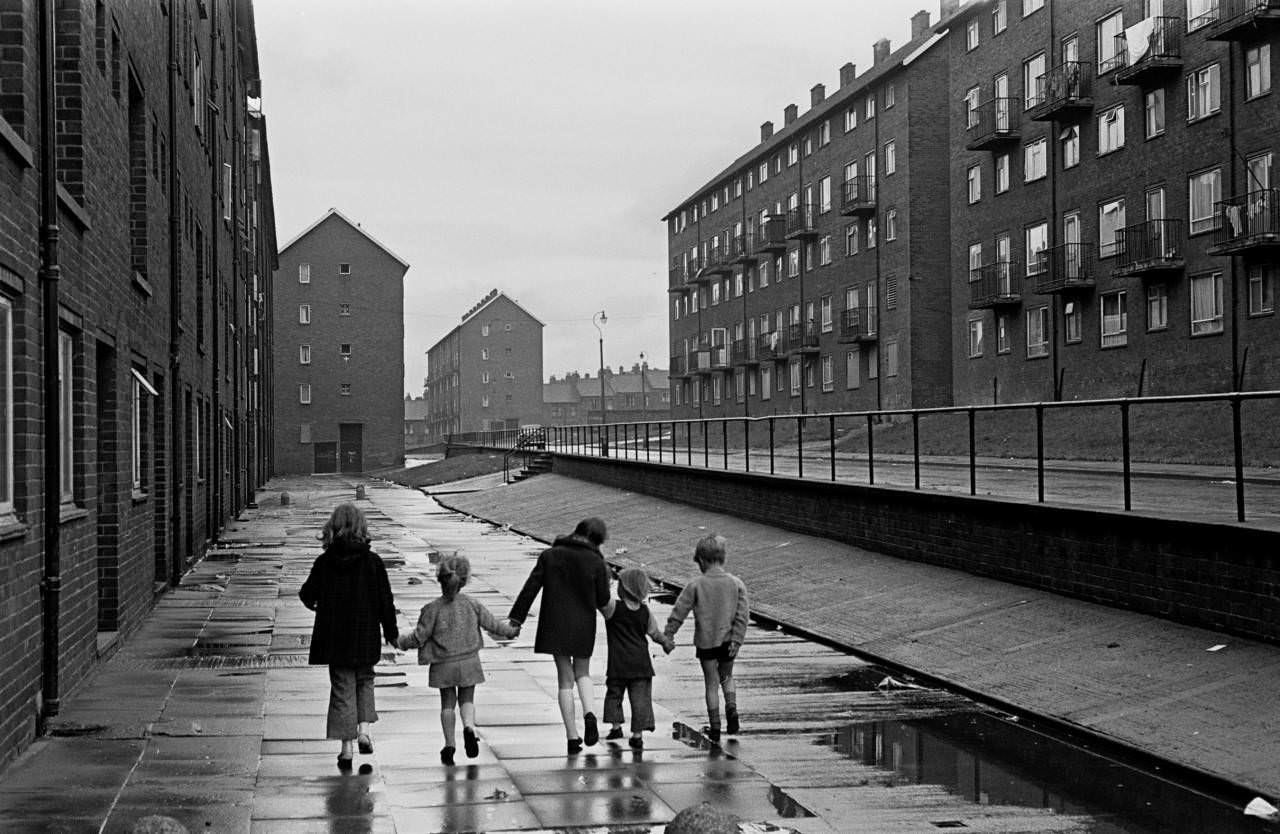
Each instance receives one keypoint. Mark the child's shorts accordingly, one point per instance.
(720, 652)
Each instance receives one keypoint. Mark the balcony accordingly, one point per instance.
(1151, 249)
(858, 196)
(770, 236)
(994, 124)
(745, 352)
(1064, 92)
(857, 325)
(719, 261)
(709, 359)
(679, 367)
(802, 338)
(1066, 268)
(767, 347)
(1150, 62)
(1248, 224)
(802, 222)
(993, 286)
(740, 250)
(676, 285)
(691, 274)
(1240, 20)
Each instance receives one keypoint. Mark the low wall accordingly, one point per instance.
(1219, 576)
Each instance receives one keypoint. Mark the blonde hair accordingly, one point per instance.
(345, 524)
(452, 573)
(710, 549)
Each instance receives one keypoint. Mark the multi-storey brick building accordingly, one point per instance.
(136, 228)
(339, 357)
(812, 273)
(486, 373)
(1115, 223)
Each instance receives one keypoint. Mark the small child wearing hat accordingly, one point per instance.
(628, 622)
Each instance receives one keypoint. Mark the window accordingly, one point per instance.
(1002, 173)
(1153, 113)
(1110, 222)
(793, 154)
(344, 269)
(871, 233)
(304, 273)
(304, 393)
(793, 373)
(1037, 242)
(873, 363)
(1033, 160)
(304, 354)
(344, 389)
(1205, 191)
(1037, 332)
(1002, 334)
(66, 420)
(1070, 146)
(890, 157)
(1257, 75)
(971, 35)
(1202, 93)
(999, 15)
(824, 134)
(1261, 291)
(344, 309)
(890, 96)
(824, 195)
(808, 145)
(1032, 73)
(891, 224)
(484, 400)
(850, 119)
(828, 373)
(971, 107)
(764, 172)
(870, 108)
(1029, 6)
(484, 330)
(975, 338)
(1157, 307)
(974, 178)
(304, 314)
(1111, 130)
(824, 250)
(1115, 319)
(793, 263)
(852, 369)
(484, 377)
(715, 201)
(766, 383)
(304, 432)
(890, 358)
(1206, 304)
(344, 350)
(851, 239)
(975, 261)
(1110, 46)
(824, 306)
(1201, 13)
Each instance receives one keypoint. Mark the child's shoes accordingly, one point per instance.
(344, 764)
(713, 734)
(575, 746)
(470, 742)
(636, 742)
(614, 734)
(591, 733)
(731, 721)
(365, 743)
(446, 756)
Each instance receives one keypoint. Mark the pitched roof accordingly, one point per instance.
(333, 212)
(560, 392)
(493, 296)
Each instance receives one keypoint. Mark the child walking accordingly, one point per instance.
(351, 595)
(448, 638)
(720, 608)
(628, 622)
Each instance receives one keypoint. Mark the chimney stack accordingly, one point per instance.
(948, 8)
(789, 114)
(847, 74)
(766, 131)
(919, 24)
(879, 52)
(817, 95)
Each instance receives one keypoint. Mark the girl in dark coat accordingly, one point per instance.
(351, 595)
(574, 582)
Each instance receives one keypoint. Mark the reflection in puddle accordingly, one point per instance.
(721, 790)
(990, 761)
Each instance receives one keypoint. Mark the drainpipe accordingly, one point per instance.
(177, 493)
(746, 319)
(50, 274)
(237, 363)
(879, 185)
(1051, 162)
(1237, 382)
(215, 286)
(803, 208)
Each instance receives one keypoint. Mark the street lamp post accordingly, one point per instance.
(599, 319)
(644, 400)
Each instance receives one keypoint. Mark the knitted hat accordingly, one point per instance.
(634, 583)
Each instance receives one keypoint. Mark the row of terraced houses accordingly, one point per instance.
(136, 246)
(1030, 200)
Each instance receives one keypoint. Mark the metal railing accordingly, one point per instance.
(1153, 245)
(857, 325)
(802, 220)
(992, 284)
(770, 235)
(771, 443)
(995, 120)
(1067, 266)
(1067, 85)
(858, 194)
(1163, 44)
(1252, 219)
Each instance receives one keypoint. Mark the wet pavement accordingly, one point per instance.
(211, 715)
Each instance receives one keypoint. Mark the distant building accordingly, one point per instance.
(629, 397)
(415, 422)
(486, 373)
(339, 351)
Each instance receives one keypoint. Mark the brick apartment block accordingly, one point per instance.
(339, 351)
(136, 233)
(986, 215)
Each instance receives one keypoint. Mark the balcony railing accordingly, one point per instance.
(993, 285)
(1250, 223)
(1151, 59)
(1155, 246)
(710, 358)
(745, 352)
(803, 337)
(1244, 19)
(802, 221)
(719, 260)
(740, 250)
(857, 325)
(1064, 91)
(679, 366)
(770, 235)
(676, 282)
(1067, 267)
(768, 347)
(858, 196)
(995, 123)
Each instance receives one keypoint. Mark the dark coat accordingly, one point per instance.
(574, 582)
(351, 595)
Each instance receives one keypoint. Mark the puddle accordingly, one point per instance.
(991, 761)
(782, 802)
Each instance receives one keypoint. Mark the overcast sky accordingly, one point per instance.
(534, 145)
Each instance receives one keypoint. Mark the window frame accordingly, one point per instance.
(1213, 324)
(1262, 50)
(1212, 104)
(1001, 165)
(973, 183)
(67, 425)
(304, 273)
(1208, 223)
(1117, 335)
(1158, 294)
(304, 354)
(1031, 172)
(1040, 348)
(1111, 127)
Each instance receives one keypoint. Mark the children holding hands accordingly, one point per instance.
(628, 622)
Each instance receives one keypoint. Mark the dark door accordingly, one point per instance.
(326, 457)
(351, 447)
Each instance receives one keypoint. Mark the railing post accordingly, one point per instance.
(915, 445)
(688, 443)
(771, 446)
(871, 452)
(1237, 440)
(1124, 452)
(831, 433)
(706, 448)
(646, 442)
(1040, 453)
(746, 445)
(973, 455)
(724, 437)
(800, 446)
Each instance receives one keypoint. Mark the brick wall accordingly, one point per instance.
(1215, 576)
